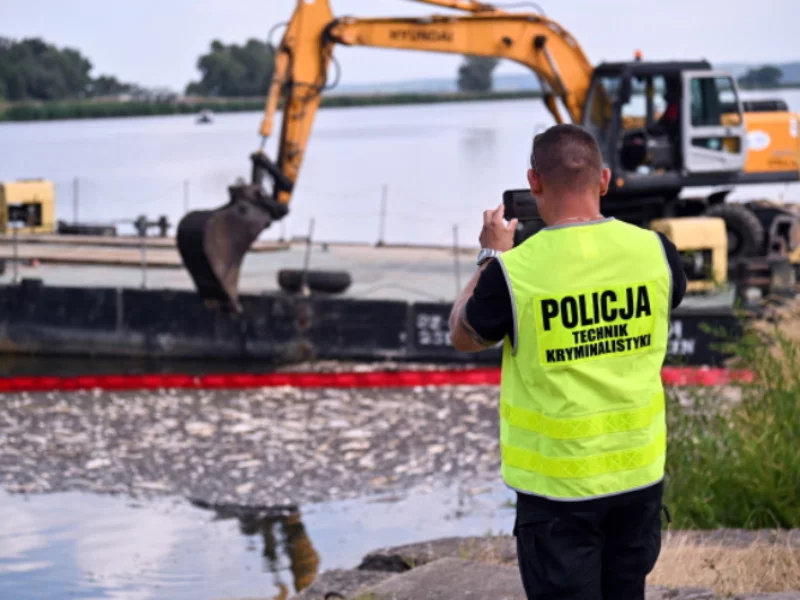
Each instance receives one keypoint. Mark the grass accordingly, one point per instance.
(736, 463)
(760, 566)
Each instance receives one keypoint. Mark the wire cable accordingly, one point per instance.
(522, 4)
(338, 75)
(273, 30)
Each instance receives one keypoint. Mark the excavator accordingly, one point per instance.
(664, 128)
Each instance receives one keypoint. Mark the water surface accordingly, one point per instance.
(72, 545)
(442, 164)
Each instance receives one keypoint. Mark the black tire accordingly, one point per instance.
(745, 231)
(331, 282)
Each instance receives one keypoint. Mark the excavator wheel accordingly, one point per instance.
(745, 231)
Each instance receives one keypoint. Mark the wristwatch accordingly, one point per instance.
(486, 254)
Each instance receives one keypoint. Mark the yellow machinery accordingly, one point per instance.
(704, 248)
(29, 205)
(711, 137)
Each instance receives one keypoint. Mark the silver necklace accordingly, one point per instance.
(578, 219)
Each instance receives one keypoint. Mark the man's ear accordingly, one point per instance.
(605, 180)
(535, 182)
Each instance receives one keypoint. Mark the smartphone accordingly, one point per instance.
(521, 204)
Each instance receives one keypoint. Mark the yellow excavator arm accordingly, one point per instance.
(213, 243)
(304, 55)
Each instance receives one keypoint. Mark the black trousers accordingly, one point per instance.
(600, 550)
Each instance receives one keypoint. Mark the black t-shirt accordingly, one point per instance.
(489, 313)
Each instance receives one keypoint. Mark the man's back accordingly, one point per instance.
(581, 392)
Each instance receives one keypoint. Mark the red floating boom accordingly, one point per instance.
(675, 376)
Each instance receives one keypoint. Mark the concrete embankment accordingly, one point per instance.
(485, 567)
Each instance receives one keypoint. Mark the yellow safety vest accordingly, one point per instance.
(581, 396)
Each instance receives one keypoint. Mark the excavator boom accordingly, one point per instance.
(213, 243)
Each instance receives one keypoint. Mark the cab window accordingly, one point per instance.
(711, 98)
(600, 105)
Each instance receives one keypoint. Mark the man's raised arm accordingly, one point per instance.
(498, 236)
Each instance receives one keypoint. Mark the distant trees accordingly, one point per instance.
(110, 86)
(475, 74)
(32, 69)
(764, 77)
(234, 70)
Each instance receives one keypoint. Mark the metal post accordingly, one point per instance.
(457, 265)
(185, 195)
(283, 230)
(307, 260)
(143, 236)
(382, 224)
(75, 200)
(16, 254)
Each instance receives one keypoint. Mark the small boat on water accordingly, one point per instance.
(205, 116)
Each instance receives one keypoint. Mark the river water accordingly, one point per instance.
(441, 166)
(74, 545)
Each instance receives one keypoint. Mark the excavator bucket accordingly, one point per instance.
(212, 243)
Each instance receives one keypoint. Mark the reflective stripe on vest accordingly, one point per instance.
(582, 403)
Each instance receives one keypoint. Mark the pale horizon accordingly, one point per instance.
(156, 44)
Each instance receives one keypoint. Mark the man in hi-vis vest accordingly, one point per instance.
(582, 308)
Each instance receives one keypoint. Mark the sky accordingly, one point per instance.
(156, 42)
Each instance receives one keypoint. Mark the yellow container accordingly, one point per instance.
(36, 197)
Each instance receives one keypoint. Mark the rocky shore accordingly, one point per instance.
(485, 567)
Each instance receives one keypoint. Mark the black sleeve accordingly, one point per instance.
(488, 310)
(678, 276)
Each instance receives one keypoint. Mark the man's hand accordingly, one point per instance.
(496, 234)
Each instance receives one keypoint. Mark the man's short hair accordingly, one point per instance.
(567, 157)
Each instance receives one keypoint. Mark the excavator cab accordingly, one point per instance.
(664, 126)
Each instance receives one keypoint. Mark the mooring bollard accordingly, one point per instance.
(142, 225)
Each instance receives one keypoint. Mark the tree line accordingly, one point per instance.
(762, 78)
(32, 69)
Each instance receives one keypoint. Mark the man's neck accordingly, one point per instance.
(578, 217)
(578, 208)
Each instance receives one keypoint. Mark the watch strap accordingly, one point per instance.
(486, 254)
